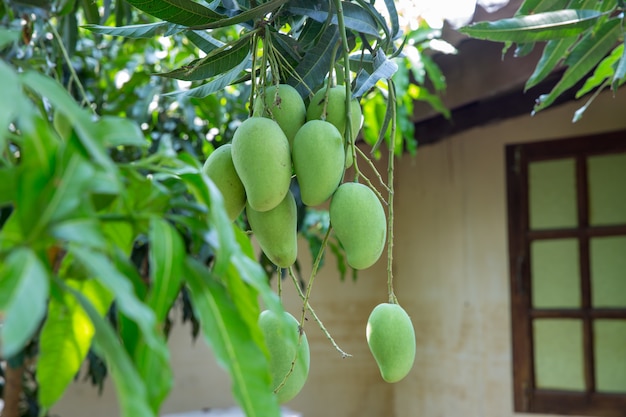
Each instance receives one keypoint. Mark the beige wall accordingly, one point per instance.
(451, 276)
(452, 262)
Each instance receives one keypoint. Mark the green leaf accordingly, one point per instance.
(604, 71)
(204, 41)
(355, 17)
(101, 268)
(8, 188)
(83, 231)
(78, 117)
(24, 286)
(537, 27)
(181, 12)
(9, 109)
(117, 131)
(218, 83)
(585, 55)
(156, 371)
(383, 69)
(620, 71)
(8, 36)
(167, 252)
(538, 6)
(216, 62)
(65, 339)
(251, 14)
(131, 390)
(232, 344)
(314, 66)
(148, 30)
(554, 52)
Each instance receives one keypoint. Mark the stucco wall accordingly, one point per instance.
(452, 262)
(451, 276)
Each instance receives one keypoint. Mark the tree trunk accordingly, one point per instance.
(12, 391)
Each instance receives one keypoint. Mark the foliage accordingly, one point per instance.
(106, 218)
(585, 37)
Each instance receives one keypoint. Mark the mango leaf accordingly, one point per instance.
(131, 389)
(251, 14)
(218, 83)
(8, 36)
(538, 6)
(148, 30)
(537, 27)
(83, 231)
(102, 269)
(216, 62)
(180, 12)
(604, 71)
(620, 71)
(585, 55)
(230, 339)
(166, 255)
(355, 17)
(204, 41)
(314, 66)
(65, 338)
(156, 371)
(9, 109)
(8, 189)
(78, 117)
(383, 69)
(25, 287)
(117, 131)
(554, 52)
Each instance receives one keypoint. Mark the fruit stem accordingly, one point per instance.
(316, 318)
(255, 46)
(68, 62)
(392, 102)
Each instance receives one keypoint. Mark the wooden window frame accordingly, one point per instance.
(527, 397)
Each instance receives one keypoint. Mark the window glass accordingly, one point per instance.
(607, 189)
(555, 273)
(552, 194)
(558, 350)
(610, 355)
(608, 271)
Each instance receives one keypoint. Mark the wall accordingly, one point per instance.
(451, 275)
(452, 261)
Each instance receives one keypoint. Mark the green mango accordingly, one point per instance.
(283, 104)
(391, 339)
(283, 347)
(276, 231)
(359, 221)
(220, 168)
(336, 113)
(318, 160)
(262, 159)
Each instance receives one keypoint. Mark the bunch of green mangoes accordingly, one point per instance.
(285, 137)
(391, 339)
(284, 349)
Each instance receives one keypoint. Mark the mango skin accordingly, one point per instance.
(283, 104)
(318, 160)
(262, 159)
(283, 348)
(391, 339)
(336, 113)
(220, 169)
(276, 231)
(360, 224)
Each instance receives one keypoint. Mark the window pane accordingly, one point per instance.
(552, 194)
(610, 355)
(555, 273)
(559, 354)
(607, 189)
(608, 271)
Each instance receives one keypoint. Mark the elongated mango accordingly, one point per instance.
(262, 159)
(283, 104)
(318, 160)
(283, 348)
(359, 221)
(391, 339)
(276, 231)
(220, 168)
(336, 113)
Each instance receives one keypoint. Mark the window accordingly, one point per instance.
(567, 247)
